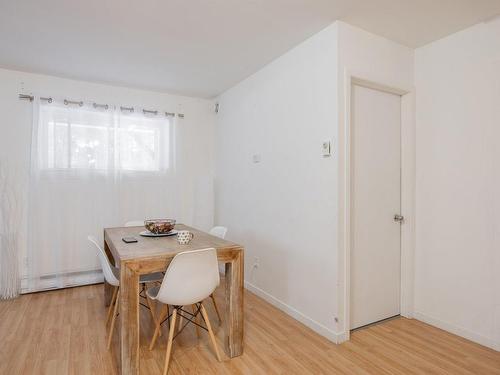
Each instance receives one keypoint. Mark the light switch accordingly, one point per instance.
(326, 148)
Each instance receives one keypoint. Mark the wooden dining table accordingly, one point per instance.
(154, 254)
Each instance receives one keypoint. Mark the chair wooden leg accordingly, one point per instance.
(181, 321)
(115, 313)
(163, 314)
(197, 319)
(151, 306)
(216, 308)
(210, 332)
(170, 339)
(113, 300)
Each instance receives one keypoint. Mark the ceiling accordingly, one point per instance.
(201, 47)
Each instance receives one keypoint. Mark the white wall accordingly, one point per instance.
(373, 58)
(288, 209)
(457, 281)
(197, 129)
(284, 209)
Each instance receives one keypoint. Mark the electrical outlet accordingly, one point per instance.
(256, 261)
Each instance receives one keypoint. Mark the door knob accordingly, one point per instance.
(399, 218)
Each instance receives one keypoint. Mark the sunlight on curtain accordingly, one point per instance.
(92, 168)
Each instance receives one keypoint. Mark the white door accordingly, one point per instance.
(375, 199)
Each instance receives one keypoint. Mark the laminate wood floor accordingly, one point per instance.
(62, 332)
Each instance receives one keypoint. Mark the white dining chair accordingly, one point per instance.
(134, 223)
(112, 277)
(191, 277)
(218, 232)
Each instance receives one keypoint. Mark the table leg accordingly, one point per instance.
(129, 320)
(108, 289)
(234, 306)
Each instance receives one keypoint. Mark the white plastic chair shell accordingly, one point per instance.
(109, 276)
(191, 277)
(219, 232)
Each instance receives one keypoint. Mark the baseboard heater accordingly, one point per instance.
(61, 280)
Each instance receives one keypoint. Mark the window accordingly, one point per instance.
(140, 143)
(87, 138)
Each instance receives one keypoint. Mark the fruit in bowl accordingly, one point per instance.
(159, 226)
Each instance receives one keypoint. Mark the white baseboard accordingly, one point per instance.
(337, 338)
(490, 343)
(341, 337)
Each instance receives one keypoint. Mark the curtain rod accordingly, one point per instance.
(95, 105)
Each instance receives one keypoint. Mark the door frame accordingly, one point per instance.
(407, 197)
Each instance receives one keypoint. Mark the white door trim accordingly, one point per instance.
(407, 196)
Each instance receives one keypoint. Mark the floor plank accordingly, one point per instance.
(62, 332)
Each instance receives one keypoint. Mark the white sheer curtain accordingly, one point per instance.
(93, 167)
(10, 227)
